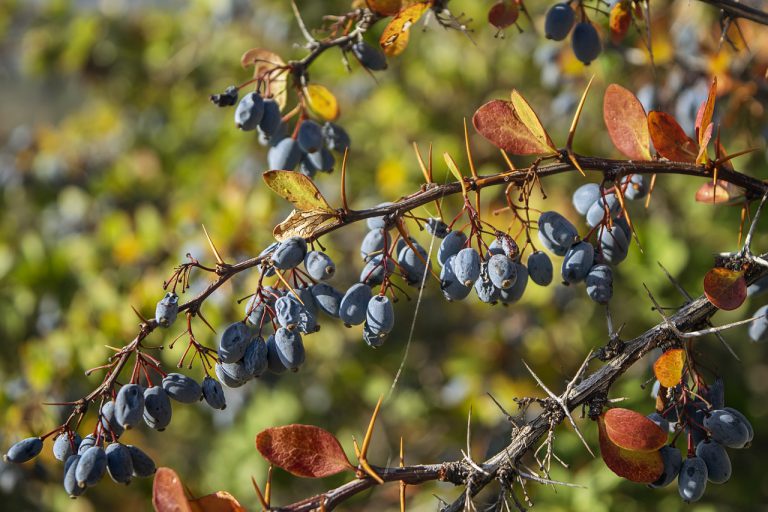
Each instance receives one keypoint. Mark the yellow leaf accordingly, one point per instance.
(531, 121)
(298, 189)
(322, 102)
(271, 68)
(304, 223)
(395, 36)
(668, 368)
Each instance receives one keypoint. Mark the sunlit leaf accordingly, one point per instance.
(641, 467)
(722, 193)
(322, 102)
(220, 501)
(503, 14)
(269, 67)
(725, 288)
(626, 122)
(670, 140)
(632, 431)
(705, 112)
(394, 38)
(300, 190)
(304, 223)
(303, 450)
(619, 20)
(531, 120)
(385, 7)
(704, 140)
(498, 122)
(669, 367)
(168, 492)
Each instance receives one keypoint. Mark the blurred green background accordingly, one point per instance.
(111, 158)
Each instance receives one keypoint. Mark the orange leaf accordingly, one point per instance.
(722, 193)
(503, 13)
(395, 36)
(385, 7)
(271, 68)
(220, 501)
(641, 467)
(703, 141)
(168, 493)
(670, 140)
(704, 114)
(303, 450)
(632, 431)
(619, 21)
(668, 368)
(498, 122)
(725, 288)
(627, 123)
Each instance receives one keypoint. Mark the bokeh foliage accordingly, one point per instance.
(112, 158)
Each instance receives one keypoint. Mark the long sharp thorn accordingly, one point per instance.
(200, 314)
(650, 190)
(219, 260)
(141, 317)
(263, 502)
(344, 181)
(402, 483)
(290, 288)
(422, 165)
(469, 151)
(572, 130)
(507, 159)
(367, 442)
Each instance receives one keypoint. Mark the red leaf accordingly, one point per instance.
(303, 450)
(503, 14)
(627, 123)
(725, 288)
(220, 501)
(668, 368)
(619, 21)
(722, 192)
(670, 140)
(168, 492)
(641, 467)
(632, 431)
(498, 122)
(704, 114)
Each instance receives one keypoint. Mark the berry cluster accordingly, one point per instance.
(311, 145)
(585, 40)
(711, 427)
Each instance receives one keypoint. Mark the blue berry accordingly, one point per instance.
(271, 120)
(233, 342)
(274, 364)
(577, 262)
(167, 309)
(556, 232)
(673, 461)
(157, 408)
(182, 388)
(310, 136)
(692, 480)
(66, 445)
(119, 464)
(600, 283)
(370, 57)
(466, 266)
(353, 305)
(249, 112)
(558, 21)
(540, 268)
(290, 253)
(716, 459)
(290, 348)
(437, 227)
(451, 245)
(143, 465)
(284, 155)
(502, 271)
(25, 450)
(70, 478)
(91, 466)
(585, 196)
(213, 395)
(336, 138)
(319, 265)
(586, 42)
(327, 298)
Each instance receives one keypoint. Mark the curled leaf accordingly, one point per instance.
(669, 367)
(322, 102)
(503, 13)
(632, 431)
(725, 288)
(269, 67)
(303, 450)
(670, 140)
(220, 501)
(168, 492)
(721, 192)
(626, 122)
(641, 467)
(304, 223)
(705, 112)
(394, 38)
(619, 20)
(385, 7)
(498, 122)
